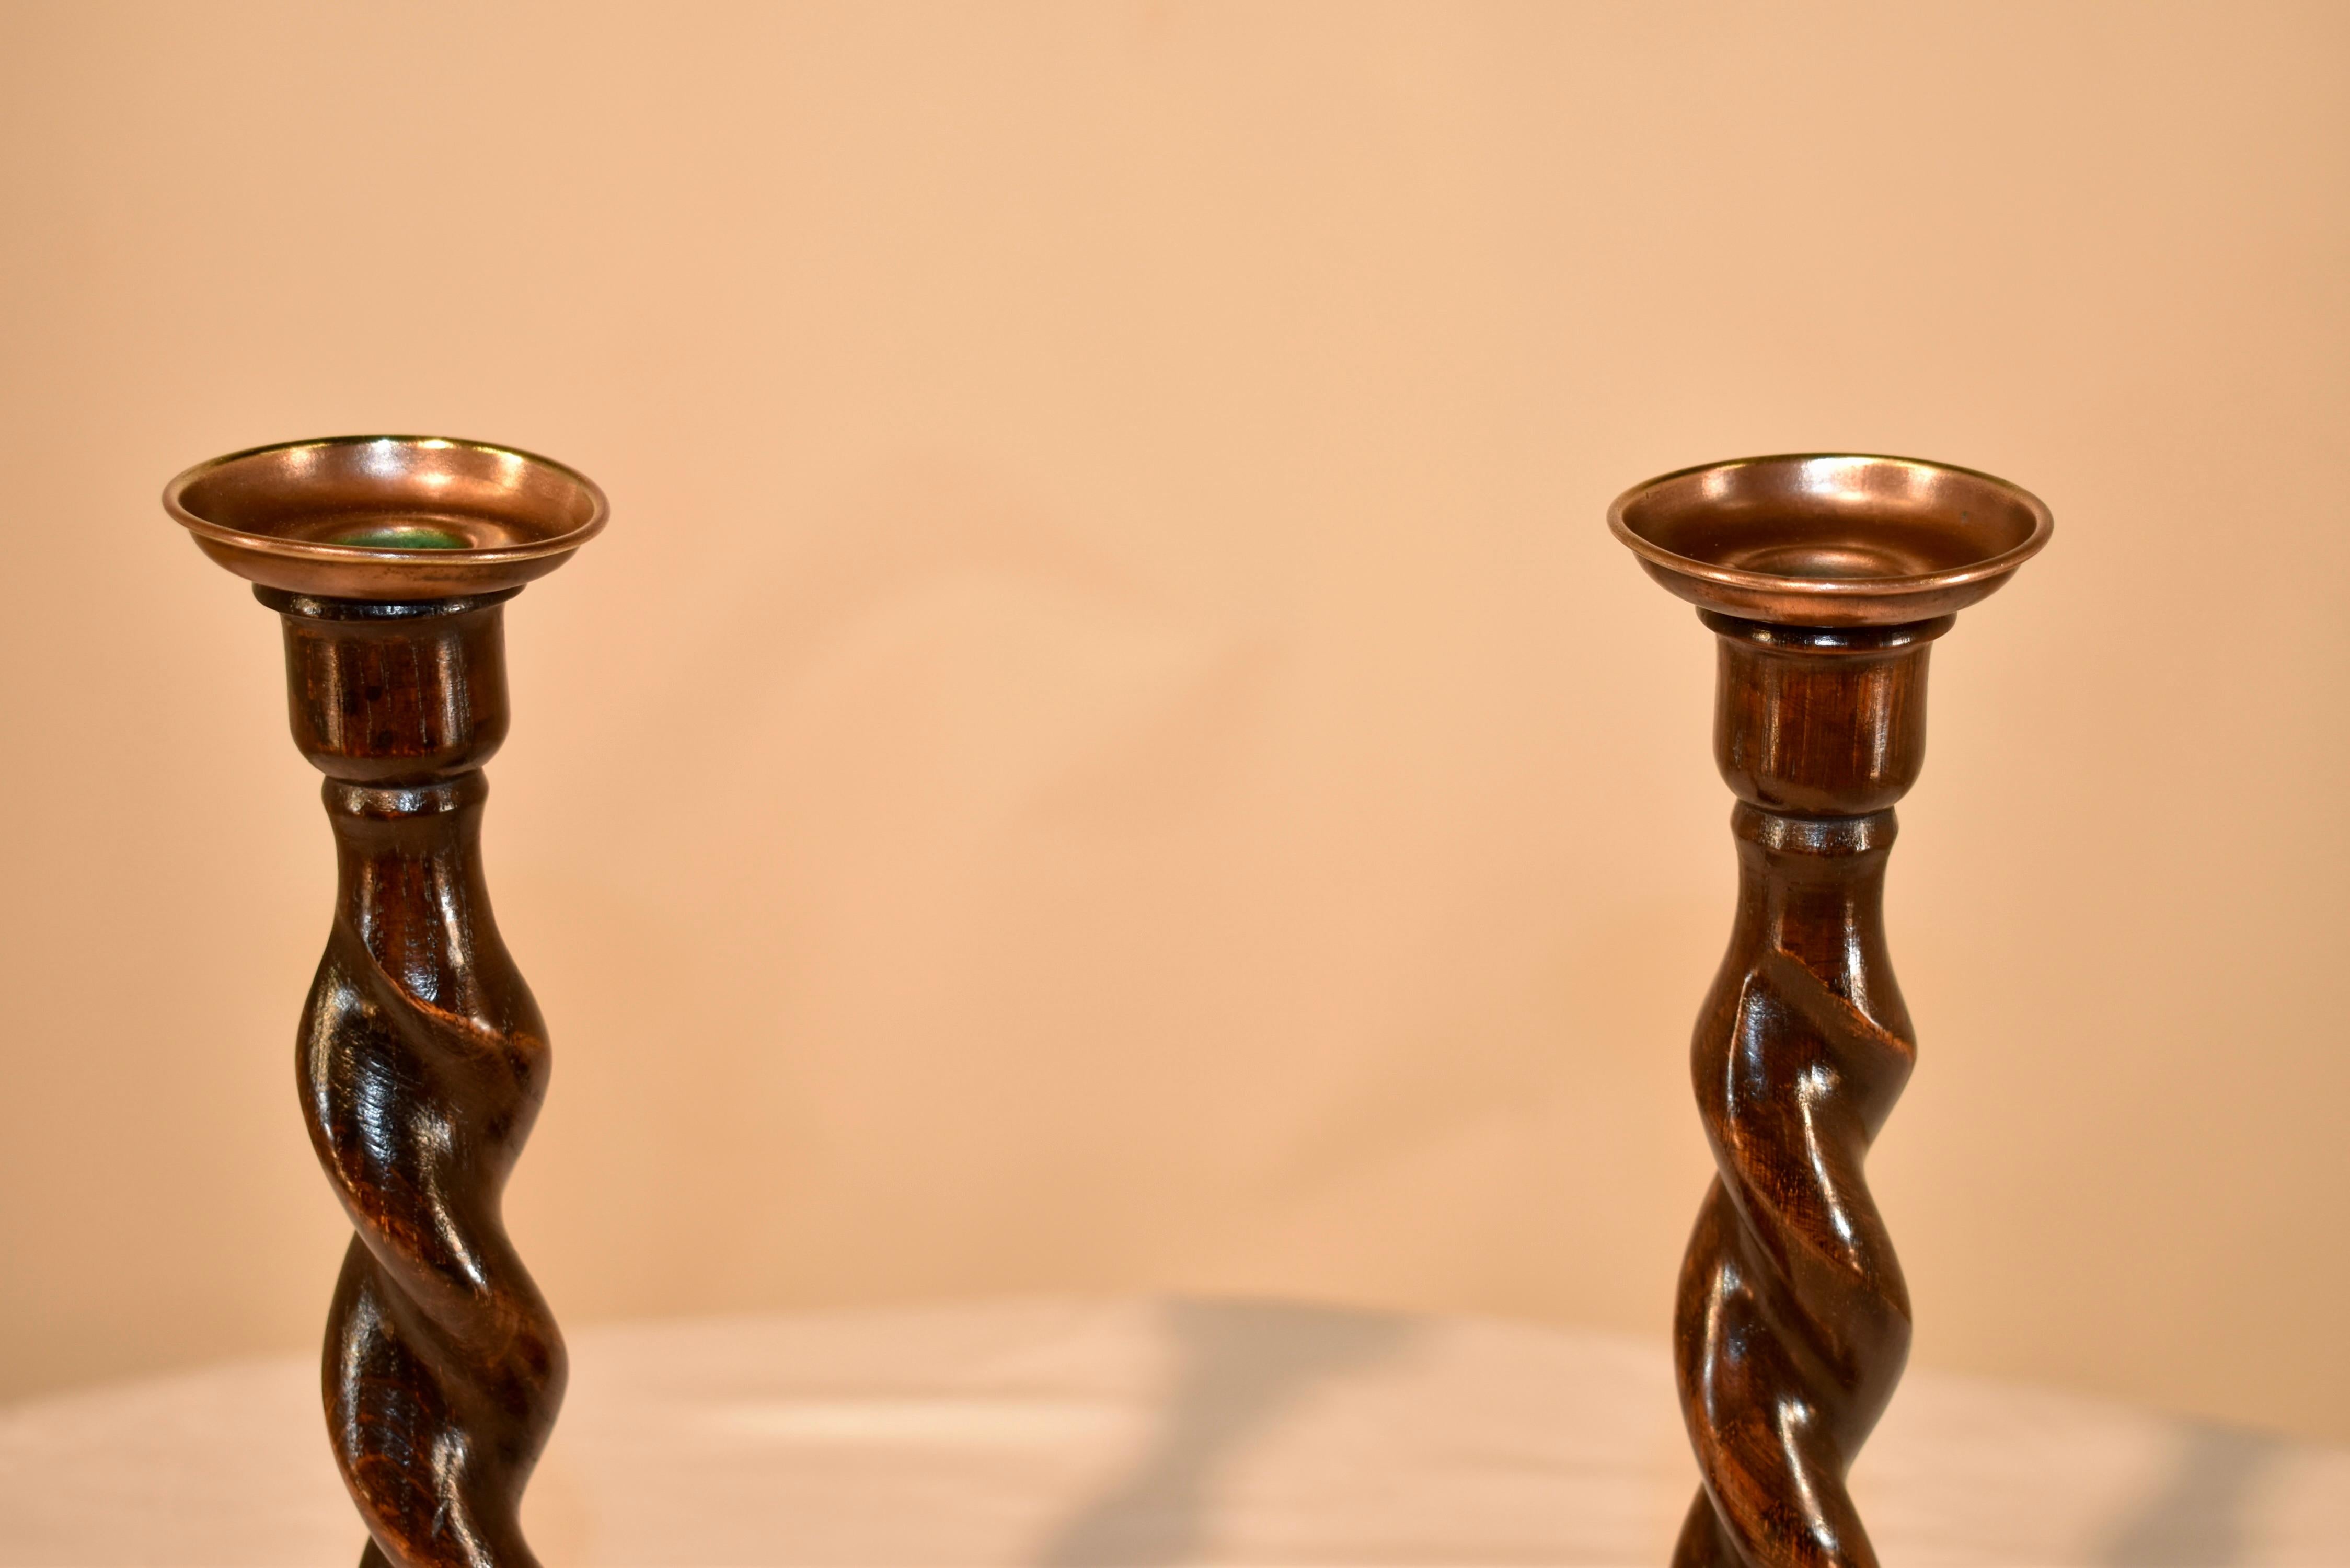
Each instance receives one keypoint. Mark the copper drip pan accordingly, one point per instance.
(1831, 539)
(387, 517)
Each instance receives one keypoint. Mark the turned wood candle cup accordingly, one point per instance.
(1825, 580)
(422, 1058)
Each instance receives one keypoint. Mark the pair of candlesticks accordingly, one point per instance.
(423, 1059)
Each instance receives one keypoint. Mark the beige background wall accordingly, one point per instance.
(1106, 746)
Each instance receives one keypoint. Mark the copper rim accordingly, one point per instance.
(481, 516)
(1833, 522)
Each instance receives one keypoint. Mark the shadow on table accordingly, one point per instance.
(2197, 1518)
(1242, 1362)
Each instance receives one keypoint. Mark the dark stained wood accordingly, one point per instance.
(1791, 1322)
(422, 1061)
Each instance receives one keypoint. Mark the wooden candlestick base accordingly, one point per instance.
(1826, 580)
(422, 1057)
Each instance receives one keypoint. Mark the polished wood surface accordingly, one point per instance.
(1825, 578)
(422, 1062)
(1791, 1322)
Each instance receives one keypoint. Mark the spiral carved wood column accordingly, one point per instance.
(422, 1057)
(422, 1062)
(1792, 1322)
(1825, 580)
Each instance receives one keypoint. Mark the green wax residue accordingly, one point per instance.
(400, 536)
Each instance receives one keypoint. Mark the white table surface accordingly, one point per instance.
(1146, 1432)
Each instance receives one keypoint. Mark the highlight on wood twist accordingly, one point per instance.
(1791, 1322)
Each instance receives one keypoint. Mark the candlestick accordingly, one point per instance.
(1825, 580)
(421, 1057)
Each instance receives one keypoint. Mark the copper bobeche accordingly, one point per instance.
(1831, 539)
(387, 517)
